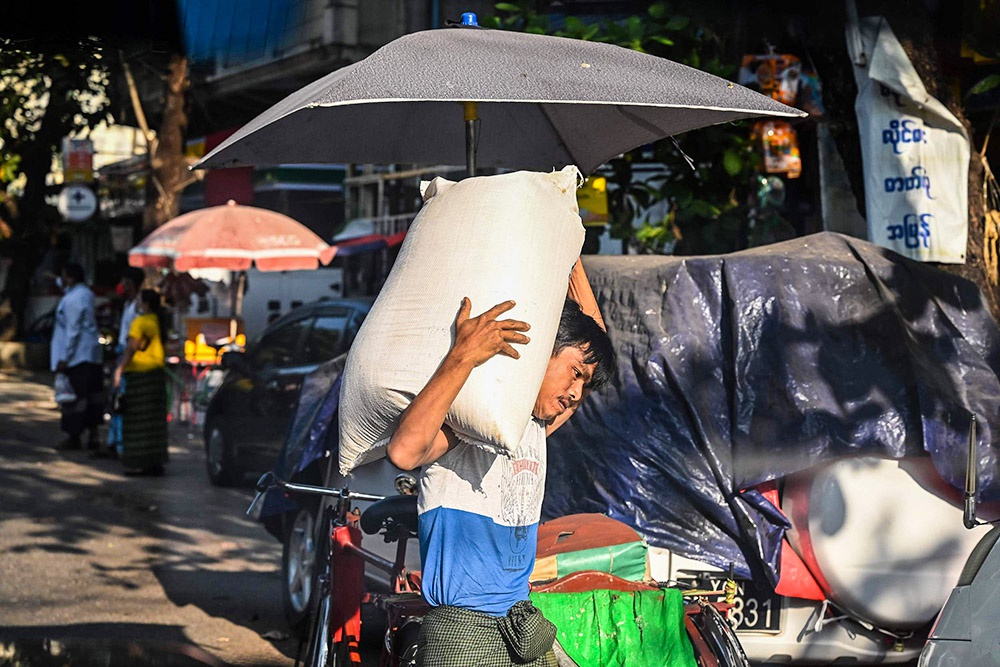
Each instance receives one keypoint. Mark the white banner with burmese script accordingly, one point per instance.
(915, 152)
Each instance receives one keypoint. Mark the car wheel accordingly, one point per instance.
(298, 567)
(219, 458)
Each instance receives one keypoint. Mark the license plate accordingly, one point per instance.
(756, 608)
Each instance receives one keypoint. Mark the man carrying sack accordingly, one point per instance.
(470, 400)
(480, 508)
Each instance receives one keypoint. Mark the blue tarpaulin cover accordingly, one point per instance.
(742, 368)
(312, 433)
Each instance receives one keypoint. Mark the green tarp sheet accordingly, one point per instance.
(627, 561)
(620, 629)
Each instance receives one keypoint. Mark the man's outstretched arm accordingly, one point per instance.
(421, 437)
(581, 292)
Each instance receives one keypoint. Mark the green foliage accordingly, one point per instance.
(980, 28)
(984, 85)
(521, 16)
(48, 90)
(10, 167)
(707, 203)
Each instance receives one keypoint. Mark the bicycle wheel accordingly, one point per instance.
(720, 637)
(322, 650)
(318, 649)
(406, 644)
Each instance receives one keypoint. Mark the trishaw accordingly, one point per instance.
(649, 623)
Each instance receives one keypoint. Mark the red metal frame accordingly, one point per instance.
(347, 566)
(349, 569)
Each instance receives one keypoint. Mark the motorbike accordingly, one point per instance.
(968, 625)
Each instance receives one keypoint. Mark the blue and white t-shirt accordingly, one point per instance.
(478, 524)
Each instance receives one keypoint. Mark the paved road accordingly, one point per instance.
(88, 552)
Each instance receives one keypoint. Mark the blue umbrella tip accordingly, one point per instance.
(470, 18)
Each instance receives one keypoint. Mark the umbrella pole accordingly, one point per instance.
(236, 306)
(471, 135)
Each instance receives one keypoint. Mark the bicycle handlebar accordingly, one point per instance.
(269, 480)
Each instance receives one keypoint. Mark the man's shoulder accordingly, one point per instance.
(79, 294)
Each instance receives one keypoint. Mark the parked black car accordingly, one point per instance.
(249, 413)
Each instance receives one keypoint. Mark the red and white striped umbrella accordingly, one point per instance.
(232, 237)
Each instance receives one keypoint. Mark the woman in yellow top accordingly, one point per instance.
(141, 379)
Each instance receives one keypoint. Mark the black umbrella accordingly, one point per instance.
(543, 102)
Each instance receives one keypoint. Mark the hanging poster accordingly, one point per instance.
(785, 78)
(776, 76)
(122, 238)
(780, 146)
(915, 152)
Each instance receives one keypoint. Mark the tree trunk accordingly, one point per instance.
(169, 166)
(917, 37)
(33, 224)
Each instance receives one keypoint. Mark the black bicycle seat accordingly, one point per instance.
(401, 509)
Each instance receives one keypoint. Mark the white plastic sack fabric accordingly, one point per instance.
(490, 238)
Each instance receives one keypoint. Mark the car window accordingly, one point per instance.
(279, 348)
(326, 339)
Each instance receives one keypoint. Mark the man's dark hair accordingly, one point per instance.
(151, 298)
(579, 330)
(154, 302)
(74, 270)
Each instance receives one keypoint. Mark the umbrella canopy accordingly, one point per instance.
(232, 237)
(543, 102)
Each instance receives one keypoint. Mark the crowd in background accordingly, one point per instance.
(136, 400)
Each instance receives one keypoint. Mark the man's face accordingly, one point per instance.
(562, 386)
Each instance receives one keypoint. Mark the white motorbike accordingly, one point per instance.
(967, 631)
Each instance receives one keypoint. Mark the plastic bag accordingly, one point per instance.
(117, 402)
(64, 393)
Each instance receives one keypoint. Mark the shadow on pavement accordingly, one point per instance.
(194, 538)
(73, 646)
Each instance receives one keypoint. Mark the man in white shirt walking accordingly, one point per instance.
(76, 351)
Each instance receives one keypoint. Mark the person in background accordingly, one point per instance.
(142, 380)
(129, 288)
(479, 509)
(76, 351)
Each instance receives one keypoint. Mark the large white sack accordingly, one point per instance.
(490, 238)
